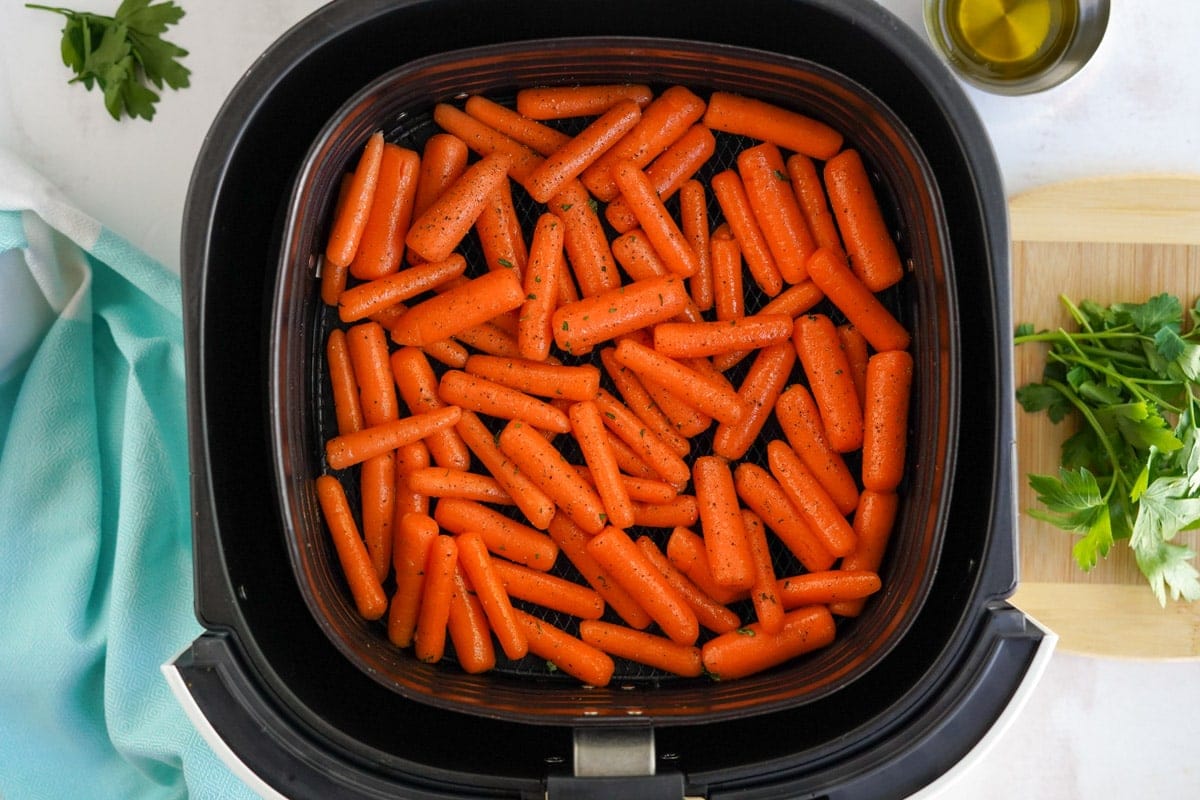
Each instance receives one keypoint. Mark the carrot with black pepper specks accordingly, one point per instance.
(826, 587)
(763, 495)
(773, 203)
(642, 647)
(751, 649)
(561, 102)
(709, 613)
(364, 583)
(572, 540)
(865, 235)
(532, 501)
(577, 658)
(885, 420)
(418, 386)
(429, 641)
(476, 564)
(873, 522)
(583, 149)
(731, 196)
(381, 246)
(503, 535)
(729, 555)
(468, 628)
(534, 334)
(801, 424)
(828, 372)
(758, 119)
(543, 464)
(346, 450)
(381, 294)
(472, 303)
(346, 405)
(592, 320)
(580, 382)
(415, 534)
(809, 496)
(759, 390)
(351, 214)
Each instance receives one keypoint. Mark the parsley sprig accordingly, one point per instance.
(1132, 471)
(123, 53)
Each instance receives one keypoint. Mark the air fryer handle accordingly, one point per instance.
(641, 787)
(614, 761)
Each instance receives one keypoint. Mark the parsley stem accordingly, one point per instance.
(1135, 387)
(1087, 414)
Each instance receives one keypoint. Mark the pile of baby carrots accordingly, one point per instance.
(612, 324)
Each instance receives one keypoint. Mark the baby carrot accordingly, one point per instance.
(814, 203)
(719, 402)
(524, 129)
(429, 642)
(644, 648)
(468, 628)
(854, 344)
(443, 160)
(549, 591)
(693, 219)
(503, 535)
(749, 650)
(792, 301)
(333, 276)
(346, 405)
(729, 555)
(645, 445)
(572, 540)
(418, 386)
(636, 397)
(578, 659)
(731, 196)
(352, 212)
(485, 397)
(862, 308)
(477, 566)
(490, 339)
(828, 374)
(500, 236)
(540, 378)
(668, 172)
(361, 577)
(442, 226)
(686, 552)
(586, 241)
(452, 354)
(592, 320)
(687, 420)
(637, 256)
(383, 293)
(801, 425)
(885, 423)
(829, 586)
(541, 289)
(653, 217)
(472, 303)
(532, 501)
(725, 261)
(774, 206)
(759, 391)
(763, 495)
(368, 350)
(410, 554)
(630, 462)
(382, 243)
(807, 495)
(709, 613)
(561, 102)
(768, 608)
(486, 140)
(680, 511)
(627, 565)
(449, 482)
(553, 474)
(759, 119)
(409, 457)
(574, 156)
(377, 488)
(873, 521)
(641, 490)
(588, 427)
(346, 450)
(692, 339)
(868, 242)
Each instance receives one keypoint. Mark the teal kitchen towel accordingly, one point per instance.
(95, 538)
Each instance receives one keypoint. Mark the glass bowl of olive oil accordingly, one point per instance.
(1016, 46)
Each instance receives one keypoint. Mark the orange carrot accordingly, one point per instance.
(807, 495)
(697, 390)
(346, 450)
(830, 586)
(489, 338)
(648, 447)
(477, 566)
(380, 294)
(346, 405)
(468, 628)
(409, 457)
(729, 555)
(644, 648)
(553, 474)
(861, 307)
(885, 423)
(541, 289)
(381, 245)
(767, 606)
(627, 565)
(680, 511)
(709, 613)
(854, 345)
(583, 149)
(763, 495)
(457, 309)
(568, 292)
(828, 374)
(586, 241)
(549, 591)
(333, 276)
(443, 160)
(873, 521)
(429, 642)
(630, 462)
(686, 552)
(814, 203)
(686, 419)
(500, 236)
(641, 490)
(792, 301)
(572, 540)
(360, 574)
(543, 379)
(749, 650)
(452, 354)
(759, 391)
(486, 140)
(868, 242)
(578, 659)
(692, 339)
(731, 196)
(367, 347)
(636, 397)
(588, 427)
(668, 172)
(801, 424)
(561, 102)
(410, 555)
(449, 482)
(653, 217)
(774, 206)
(442, 226)
(725, 256)
(758, 119)
(693, 219)
(637, 256)
(351, 217)
(377, 487)
(529, 132)
(592, 320)
(418, 387)
(483, 396)
(503, 536)
(532, 501)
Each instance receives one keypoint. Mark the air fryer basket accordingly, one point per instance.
(401, 104)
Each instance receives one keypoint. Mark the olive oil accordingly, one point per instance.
(999, 41)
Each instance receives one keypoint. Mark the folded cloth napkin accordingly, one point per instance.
(95, 536)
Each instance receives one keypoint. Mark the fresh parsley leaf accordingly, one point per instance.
(124, 53)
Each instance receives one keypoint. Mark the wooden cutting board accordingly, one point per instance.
(1109, 239)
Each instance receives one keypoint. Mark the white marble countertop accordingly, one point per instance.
(1092, 728)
